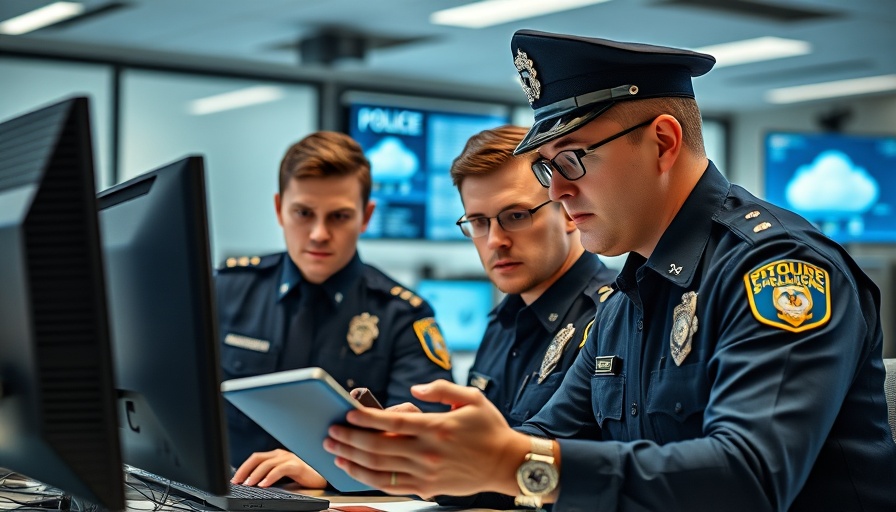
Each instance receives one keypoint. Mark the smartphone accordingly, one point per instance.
(365, 397)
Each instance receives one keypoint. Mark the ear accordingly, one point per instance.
(277, 209)
(368, 213)
(669, 138)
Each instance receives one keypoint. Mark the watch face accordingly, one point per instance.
(537, 477)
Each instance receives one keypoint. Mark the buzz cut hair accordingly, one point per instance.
(326, 154)
(685, 110)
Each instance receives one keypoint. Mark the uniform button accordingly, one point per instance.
(634, 408)
(514, 353)
(350, 383)
(678, 408)
(640, 325)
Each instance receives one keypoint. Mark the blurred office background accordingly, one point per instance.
(800, 109)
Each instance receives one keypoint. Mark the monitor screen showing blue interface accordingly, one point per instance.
(844, 184)
(410, 152)
(462, 308)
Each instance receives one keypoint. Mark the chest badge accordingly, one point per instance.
(684, 325)
(554, 351)
(362, 330)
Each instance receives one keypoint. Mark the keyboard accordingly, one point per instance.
(239, 497)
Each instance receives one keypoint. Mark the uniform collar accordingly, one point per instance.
(551, 307)
(335, 288)
(678, 252)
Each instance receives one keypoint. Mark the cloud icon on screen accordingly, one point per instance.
(391, 161)
(832, 183)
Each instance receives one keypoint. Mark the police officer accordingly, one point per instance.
(736, 367)
(530, 249)
(317, 304)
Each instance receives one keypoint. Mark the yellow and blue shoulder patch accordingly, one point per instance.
(433, 342)
(789, 294)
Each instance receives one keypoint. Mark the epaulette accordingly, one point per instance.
(245, 262)
(406, 295)
(752, 222)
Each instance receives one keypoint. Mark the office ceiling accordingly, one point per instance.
(849, 39)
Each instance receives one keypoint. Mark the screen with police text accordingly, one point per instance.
(410, 152)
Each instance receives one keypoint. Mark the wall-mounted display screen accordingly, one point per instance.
(845, 184)
(462, 308)
(411, 143)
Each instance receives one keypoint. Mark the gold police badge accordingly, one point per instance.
(684, 325)
(362, 330)
(554, 351)
(526, 68)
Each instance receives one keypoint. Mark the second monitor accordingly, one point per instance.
(164, 329)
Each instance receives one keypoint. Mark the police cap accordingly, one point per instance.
(570, 80)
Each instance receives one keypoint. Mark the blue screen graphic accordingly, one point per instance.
(410, 152)
(844, 184)
(462, 308)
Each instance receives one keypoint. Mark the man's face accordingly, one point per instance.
(322, 219)
(616, 203)
(522, 262)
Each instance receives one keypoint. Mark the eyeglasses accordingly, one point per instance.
(569, 162)
(509, 220)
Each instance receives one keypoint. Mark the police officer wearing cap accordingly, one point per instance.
(737, 366)
(318, 304)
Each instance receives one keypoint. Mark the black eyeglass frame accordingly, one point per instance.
(469, 232)
(544, 168)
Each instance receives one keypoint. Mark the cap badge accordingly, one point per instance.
(531, 85)
(362, 330)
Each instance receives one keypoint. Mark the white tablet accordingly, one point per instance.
(297, 407)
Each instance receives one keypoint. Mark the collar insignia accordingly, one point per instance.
(684, 325)
(362, 330)
(526, 68)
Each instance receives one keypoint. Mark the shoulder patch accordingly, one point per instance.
(433, 342)
(792, 295)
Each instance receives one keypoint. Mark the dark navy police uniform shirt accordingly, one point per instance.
(362, 327)
(738, 368)
(515, 344)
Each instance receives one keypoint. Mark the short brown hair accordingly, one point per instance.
(685, 110)
(326, 154)
(486, 151)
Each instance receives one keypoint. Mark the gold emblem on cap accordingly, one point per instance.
(684, 325)
(752, 215)
(415, 301)
(554, 351)
(526, 68)
(362, 330)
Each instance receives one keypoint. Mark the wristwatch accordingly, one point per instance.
(537, 476)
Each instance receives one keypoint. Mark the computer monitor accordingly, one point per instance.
(844, 183)
(164, 327)
(462, 307)
(57, 404)
(411, 143)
